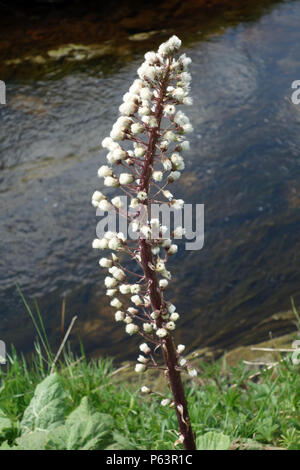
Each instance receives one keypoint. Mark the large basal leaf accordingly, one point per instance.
(85, 429)
(213, 441)
(5, 422)
(47, 407)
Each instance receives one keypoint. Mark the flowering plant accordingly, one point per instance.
(149, 122)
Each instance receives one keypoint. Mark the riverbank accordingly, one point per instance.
(48, 40)
(231, 407)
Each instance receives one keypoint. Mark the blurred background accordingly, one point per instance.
(66, 65)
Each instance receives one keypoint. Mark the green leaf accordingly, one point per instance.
(35, 440)
(47, 407)
(85, 429)
(213, 441)
(5, 422)
(6, 446)
(121, 442)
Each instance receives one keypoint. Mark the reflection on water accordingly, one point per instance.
(244, 166)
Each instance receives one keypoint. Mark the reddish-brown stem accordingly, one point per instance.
(155, 293)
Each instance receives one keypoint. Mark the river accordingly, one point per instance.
(244, 166)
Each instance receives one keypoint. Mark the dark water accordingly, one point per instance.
(244, 166)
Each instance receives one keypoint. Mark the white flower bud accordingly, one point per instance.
(187, 100)
(177, 161)
(172, 250)
(144, 111)
(98, 196)
(134, 203)
(155, 315)
(126, 178)
(160, 266)
(104, 171)
(128, 319)
(116, 303)
(100, 244)
(167, 164)
(128, 108)
(137, 128)
(170, 325)
(164, 145)
(150, 120)
(192, 372)
(125, 289)
(174, 316)
(132, 310)
(145, 348)
(139, 151)
(139, 368)
(165, 402)
(171, 308)
(180, 348)
(147, 327)
(178, 94)
(178, 232)
(119, 315)
(119, 274)
(169, 109)
(174, 176)
(142, 195)
(161, 332)
(170, 136)
(131, 329)
(116, 201)
(119, 154)
(124, 122)
(163, 283)
(136, 300)
(167, 194)
(188, 128)
(104, 205)
(184, 146)
(107, 142)
(109, 235)
(105, 263)
(135, 288)
(114, 244)
(136, 86)
(110, 181)
(166, 243)
(142, 359)
(157, 175)
(111, 292)
(145, 389)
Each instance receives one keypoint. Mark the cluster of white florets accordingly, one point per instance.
(111, 240)
(139, 117)
(137, 316)
(148, 107)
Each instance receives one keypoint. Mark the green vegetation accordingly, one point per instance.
(88, 405)
(78, 403)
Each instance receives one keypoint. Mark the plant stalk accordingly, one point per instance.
(169, 351)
